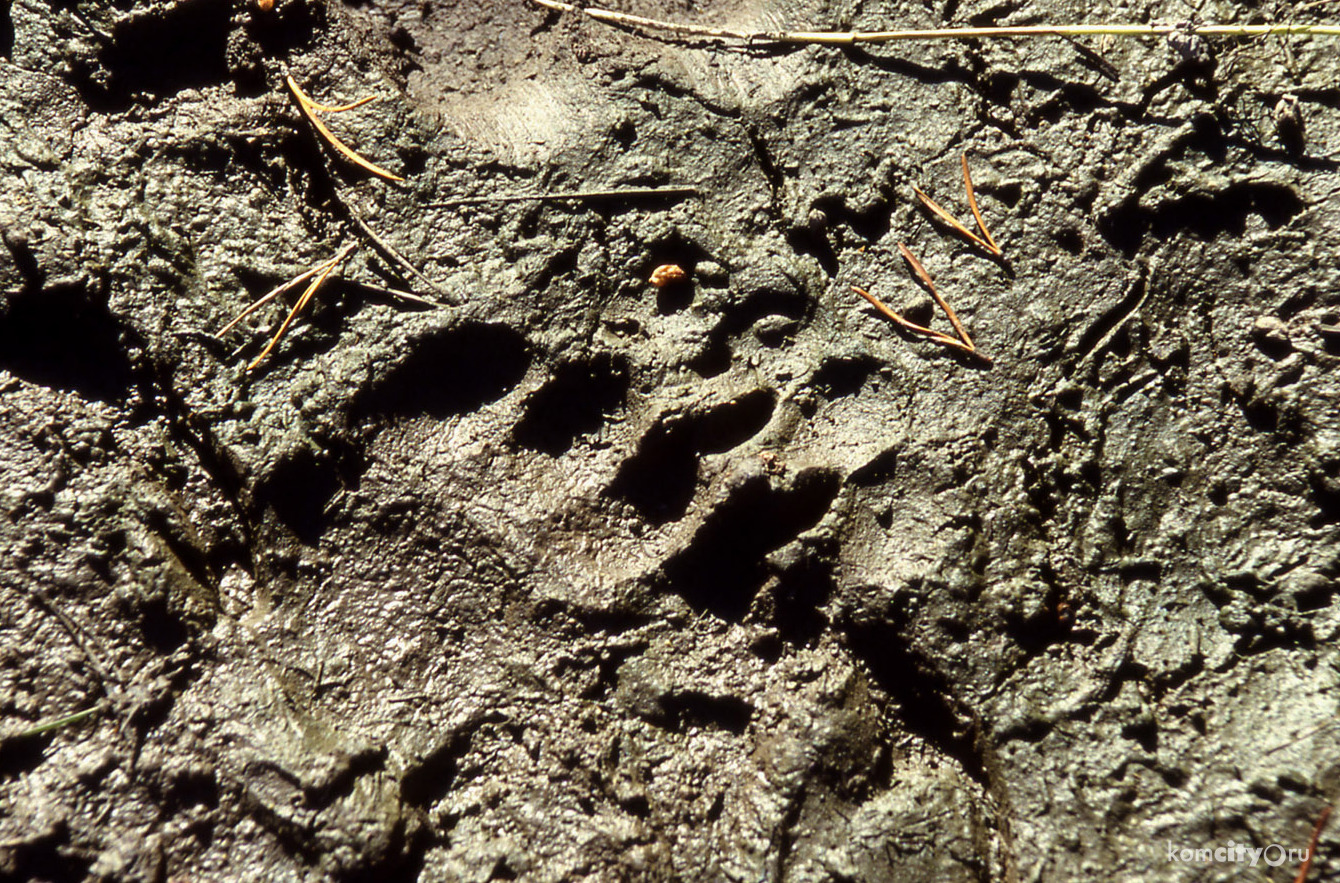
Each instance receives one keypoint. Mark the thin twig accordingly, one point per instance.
(976, 213)
(846, 38)
(309, 109)
(1312, 846)
(579, 195)
(953, 221)
(944, 304)
(906, 323)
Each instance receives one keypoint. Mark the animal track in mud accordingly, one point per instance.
(1204, 215)
(661, 478)
(722, 568)
(161, 52)
(62, 337)
(838, 377)
(453, 371)
(575, 401)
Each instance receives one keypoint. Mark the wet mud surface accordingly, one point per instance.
(571, 577)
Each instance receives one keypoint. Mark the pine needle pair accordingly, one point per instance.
(960, 340)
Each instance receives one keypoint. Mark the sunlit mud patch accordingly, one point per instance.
(526, 82)
(521, 121)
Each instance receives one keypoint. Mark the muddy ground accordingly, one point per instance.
(573, 578)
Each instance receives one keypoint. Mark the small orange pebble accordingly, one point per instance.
(265, 5)
(667, 274)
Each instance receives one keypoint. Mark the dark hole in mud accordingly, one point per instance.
(841, 377)
(48, 861)
(877, 471)
(192, 787)
(870, 224)
(1201, 215)
(763, 302)
(660, 479)
(814, 243)
(1069, 239)
(733, 423)
(175, 47)
(163, 630)
(797, 597)
(1315, 597)
(6, 30)
(574, 402)
(298, 492)
(451, 372)
(1326, 497)
(287, 26)
(24, 755)
(431, 779)
(714, 360)
(61, 338)
(722, 569)
(690, 708)
(922, 693)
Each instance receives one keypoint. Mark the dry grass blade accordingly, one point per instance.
(944, 304)
(309, 109)
(976, 213)
(848, 38)
(953, 222)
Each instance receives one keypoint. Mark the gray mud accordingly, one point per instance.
(573, 578)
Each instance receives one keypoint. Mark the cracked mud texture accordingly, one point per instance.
(577, 579)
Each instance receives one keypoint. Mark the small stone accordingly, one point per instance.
(668, 274)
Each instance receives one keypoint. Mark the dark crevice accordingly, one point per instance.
(876, 471)
(771, 173)
(160, 52)
(1098, 331)
(838, 377)
(797, 596)
(49, 860)
(923, 694)
(661, 478)
(64, 337)
(453, 371)
(1201, 215)
(762, 302)
(300, 488)
(871, 224)
(6, 30)
(575, 401)
(1326, 497)
(693, 708)
(722, 568)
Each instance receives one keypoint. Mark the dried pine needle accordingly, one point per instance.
(976, 213)
(321, 271)
(944, 305)
(953, 222)
(310, 108)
